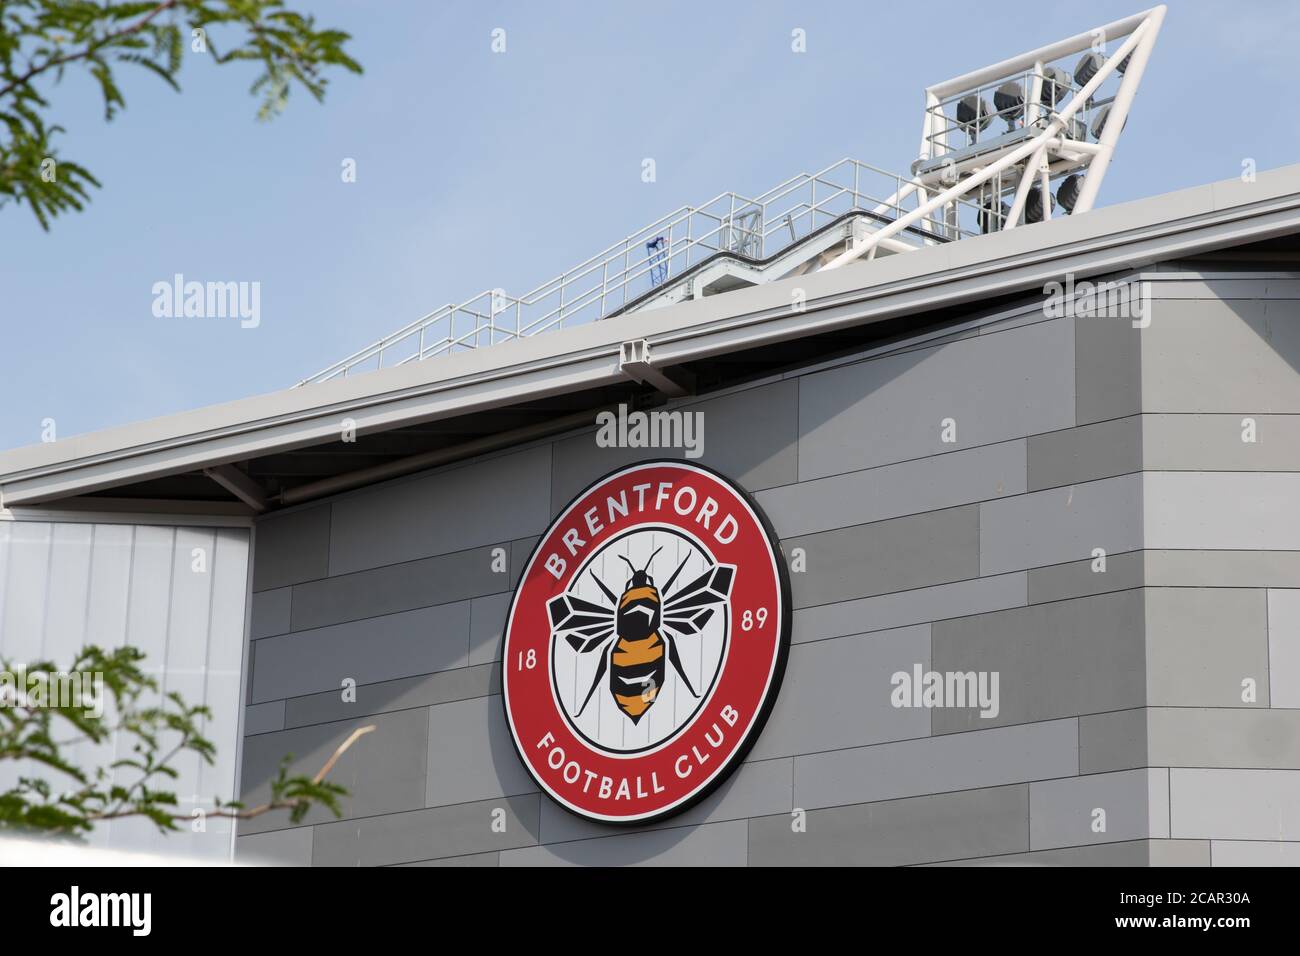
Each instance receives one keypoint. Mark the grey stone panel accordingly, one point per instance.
(1253, 853)
(1180, 853)
(368, 651)
(520, 550)
(1224, 737)
(751, 436)
(1223, 569)
(1086, 453)
(915, 606)
(1062, 582)
(473, 860)
(1125, 854)
(270, 614)
(292, 547)
(917, 551)
(1061, 524)
(397, 587)
(1214, 443)
(996, 387)
(928, 829)
(1221, 511)
(1113, 741)
(969, 761)
(716, 844)
(1202, 643)
(441, 832)
(264, 718)
(1054, 660)
(1234, 804)
(1211, 355)
(1108, 366)
(1284, 647)
(384, 770)
(890, 491)
(461, 507)
(487, 624)
(404, 693)
(1129, 853)
(1243, 285)
(471, 755)
(836, 693)
(1066, 812)
(277, 848)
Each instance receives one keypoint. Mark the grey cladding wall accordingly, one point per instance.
(952, 503)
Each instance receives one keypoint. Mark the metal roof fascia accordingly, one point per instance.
(1212, 216)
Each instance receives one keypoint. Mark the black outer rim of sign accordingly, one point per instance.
(778, 671)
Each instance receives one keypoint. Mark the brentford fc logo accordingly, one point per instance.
(646, 642)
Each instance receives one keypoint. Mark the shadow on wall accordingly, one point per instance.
(1212, 344)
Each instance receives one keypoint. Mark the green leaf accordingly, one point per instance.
(41, 41)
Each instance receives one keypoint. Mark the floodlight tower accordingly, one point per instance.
(993, 141)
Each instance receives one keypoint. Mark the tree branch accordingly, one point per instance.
(251, 813)
(329, 764)
(103, 41)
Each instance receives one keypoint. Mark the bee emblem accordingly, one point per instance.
(638, 630)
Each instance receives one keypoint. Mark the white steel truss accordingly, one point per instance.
(1060, 124)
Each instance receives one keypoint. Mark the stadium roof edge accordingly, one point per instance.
(1106, 240)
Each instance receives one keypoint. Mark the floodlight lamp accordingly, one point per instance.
(992, 215)
(1087, 67)
(1067, 194)
(1099, 121)
(1056, 86)
(1009, 99)
(974, 114)
(1034, 205)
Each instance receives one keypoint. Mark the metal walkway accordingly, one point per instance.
(729, 242)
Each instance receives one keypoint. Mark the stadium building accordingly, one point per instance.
(875, 520)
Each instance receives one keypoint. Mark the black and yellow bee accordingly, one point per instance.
(633, 634)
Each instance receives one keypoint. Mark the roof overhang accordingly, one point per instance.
(586, 359)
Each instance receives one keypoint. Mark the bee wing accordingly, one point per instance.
(689, 622)
(583, 645)
(582, 623)
(691, 606)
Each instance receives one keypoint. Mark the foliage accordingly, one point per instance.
(149, 735)
(41, 39)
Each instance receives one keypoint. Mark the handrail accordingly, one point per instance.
(622, 272)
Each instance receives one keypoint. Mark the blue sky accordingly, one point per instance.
(477, 170)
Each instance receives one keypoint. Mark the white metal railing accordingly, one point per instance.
(1052, 122)
(650, 258)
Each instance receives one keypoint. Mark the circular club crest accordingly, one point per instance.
(646, 642)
